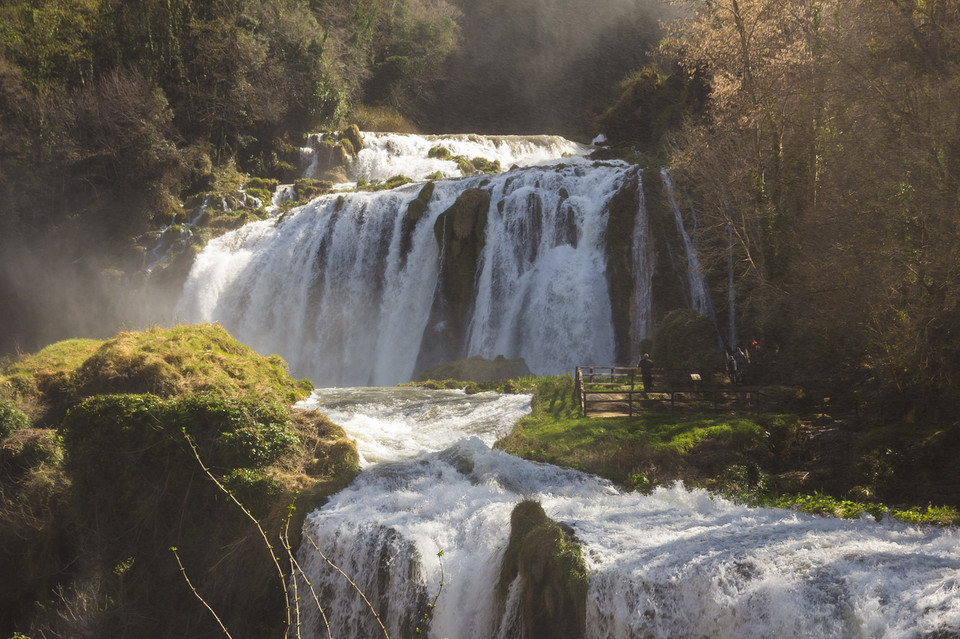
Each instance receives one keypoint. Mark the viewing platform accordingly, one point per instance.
(609, 391)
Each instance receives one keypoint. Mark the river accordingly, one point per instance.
(674, 563)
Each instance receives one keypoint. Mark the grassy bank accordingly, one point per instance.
(811, 463)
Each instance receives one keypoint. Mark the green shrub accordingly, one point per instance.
(440, 153)
(267, 184)
(12, 419)
(120, 446)
(256, 491)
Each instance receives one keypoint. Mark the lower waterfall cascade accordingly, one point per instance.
(674, 563)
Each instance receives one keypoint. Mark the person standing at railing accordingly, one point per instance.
(646, 371)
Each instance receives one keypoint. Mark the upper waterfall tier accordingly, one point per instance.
(388, 154)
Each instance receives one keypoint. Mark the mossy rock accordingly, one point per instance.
(308, 188)
(439, 153)
(465, 165)
(418, 206)
(186, 360)
(465, 219)
(133, 470)
(391, 183)
(459, 232)
(620, 266)
(164, 362)
(485, 166)
(547, 560)
(102, 499)
(356, 139)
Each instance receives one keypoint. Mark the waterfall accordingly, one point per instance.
(675, 563)
(388, 154)
(343, 287)
(699, 296)
(542, 292)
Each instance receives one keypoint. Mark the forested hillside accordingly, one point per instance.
(829, 151)
(111, 112)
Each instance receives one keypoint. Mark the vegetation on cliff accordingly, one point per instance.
(107, 457)
(112, 114)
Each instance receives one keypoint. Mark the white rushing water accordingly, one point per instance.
(388, 154)
(676, 563)
(343, 287)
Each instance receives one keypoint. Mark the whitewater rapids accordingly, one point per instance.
(675, 563)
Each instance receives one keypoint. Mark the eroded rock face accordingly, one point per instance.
(545, 557)
(460, 232)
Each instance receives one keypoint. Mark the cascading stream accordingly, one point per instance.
(676, 563)
(343, 287)
(699, 296)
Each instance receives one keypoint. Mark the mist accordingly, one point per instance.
(65, 285)
(541, 66)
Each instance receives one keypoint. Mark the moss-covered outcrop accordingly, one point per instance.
(670, 283)
(547, 561)
(164, 362)
(415, 211)
(90, 509)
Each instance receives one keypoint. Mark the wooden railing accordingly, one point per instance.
(619, 390)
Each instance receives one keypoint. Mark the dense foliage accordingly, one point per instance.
(829, 150)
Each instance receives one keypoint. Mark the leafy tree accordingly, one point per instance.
(831, 156)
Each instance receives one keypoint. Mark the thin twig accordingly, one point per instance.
(183, 571)
(266, 541)
(313, 593)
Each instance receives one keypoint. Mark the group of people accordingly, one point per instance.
(743, 363)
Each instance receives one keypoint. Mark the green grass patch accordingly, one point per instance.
(633, 451)
(164, 362)
(829, 506)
